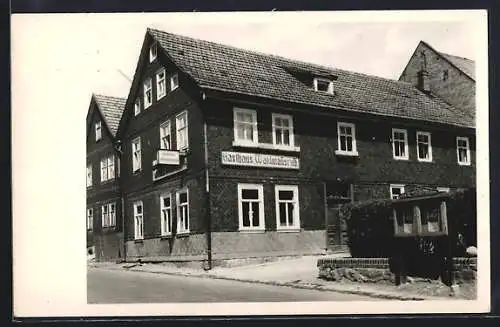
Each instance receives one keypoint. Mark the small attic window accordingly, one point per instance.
(445, 74)
(153, 52)
(323, 85)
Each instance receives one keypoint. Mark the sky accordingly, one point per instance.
(59, 60)
(97, 47)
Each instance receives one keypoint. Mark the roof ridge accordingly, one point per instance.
(315, 65)
(108, 96)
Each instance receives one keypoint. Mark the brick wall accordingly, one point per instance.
(167, 248)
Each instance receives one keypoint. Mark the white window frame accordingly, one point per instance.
(138, 233)
(108, 216)
(467, 148)
(400, 186)
(159, 82)
(319, 79)
(184, 129)
(90, 219)
(260, 200)
(294, 201)
(163, 129)
(89, 175)
(165, 223)
(443, 189)
(108, 168)
(137, 106)
(147, 89)
(429, 146)
(179, 206)
(174, 81)
(98, 131)
(153, 52)
(255, 130)
(104, 215)
(136, 153)
(291, 139)
(354, 151)
(405, 140)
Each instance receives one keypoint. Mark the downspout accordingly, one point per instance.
(122, 200)
(325, 203)
(207, 198)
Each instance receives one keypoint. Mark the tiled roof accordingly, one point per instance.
(112, 109)
(226, 68)
(467, 66)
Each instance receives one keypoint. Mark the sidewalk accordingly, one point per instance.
(298, 273)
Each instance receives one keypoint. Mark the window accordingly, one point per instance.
(346, 138)
(424, 147)
(148, 93)
(443, 189)
(89, 175)
(182, 212)
(136, 154)
(463, 151)
(160, 84)
(137, 106)
(138, 221)
(107, 168)
(445, 74)
(287, 207)
(166, 214)
(283, 130)
(396, 190)
(108, 213)
(182, 131)
(174, 82)
(323, 85)
(250, 207)
(245, 126)
(90, 219)
(165, 140)
(153, 52)
(399, 144)
(98, 131)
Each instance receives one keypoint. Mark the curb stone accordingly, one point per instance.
(374, 294)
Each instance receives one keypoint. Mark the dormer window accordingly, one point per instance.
(323, 85)
(152, 52)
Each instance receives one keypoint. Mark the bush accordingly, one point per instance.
(371, 233)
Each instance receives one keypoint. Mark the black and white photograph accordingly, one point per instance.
(251, 163)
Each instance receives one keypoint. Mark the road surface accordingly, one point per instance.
(117, 286)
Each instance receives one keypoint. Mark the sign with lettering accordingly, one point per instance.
(259, 160)
(168, 157)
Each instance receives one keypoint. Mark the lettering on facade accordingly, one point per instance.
(259, 160)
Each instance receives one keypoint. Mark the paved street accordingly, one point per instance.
(116, 286)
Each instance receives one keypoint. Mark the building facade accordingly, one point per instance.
(104, 208)
(228, 153)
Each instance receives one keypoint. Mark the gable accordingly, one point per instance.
(106, 109)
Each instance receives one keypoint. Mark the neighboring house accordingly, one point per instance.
(231, 153)
(103, 214)
(449, 77)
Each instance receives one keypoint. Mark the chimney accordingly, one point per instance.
(423, 81)
(423, 75)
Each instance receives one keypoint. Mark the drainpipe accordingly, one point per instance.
(208, 213)
(207, 203)
(122, 200)
(326, 215)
